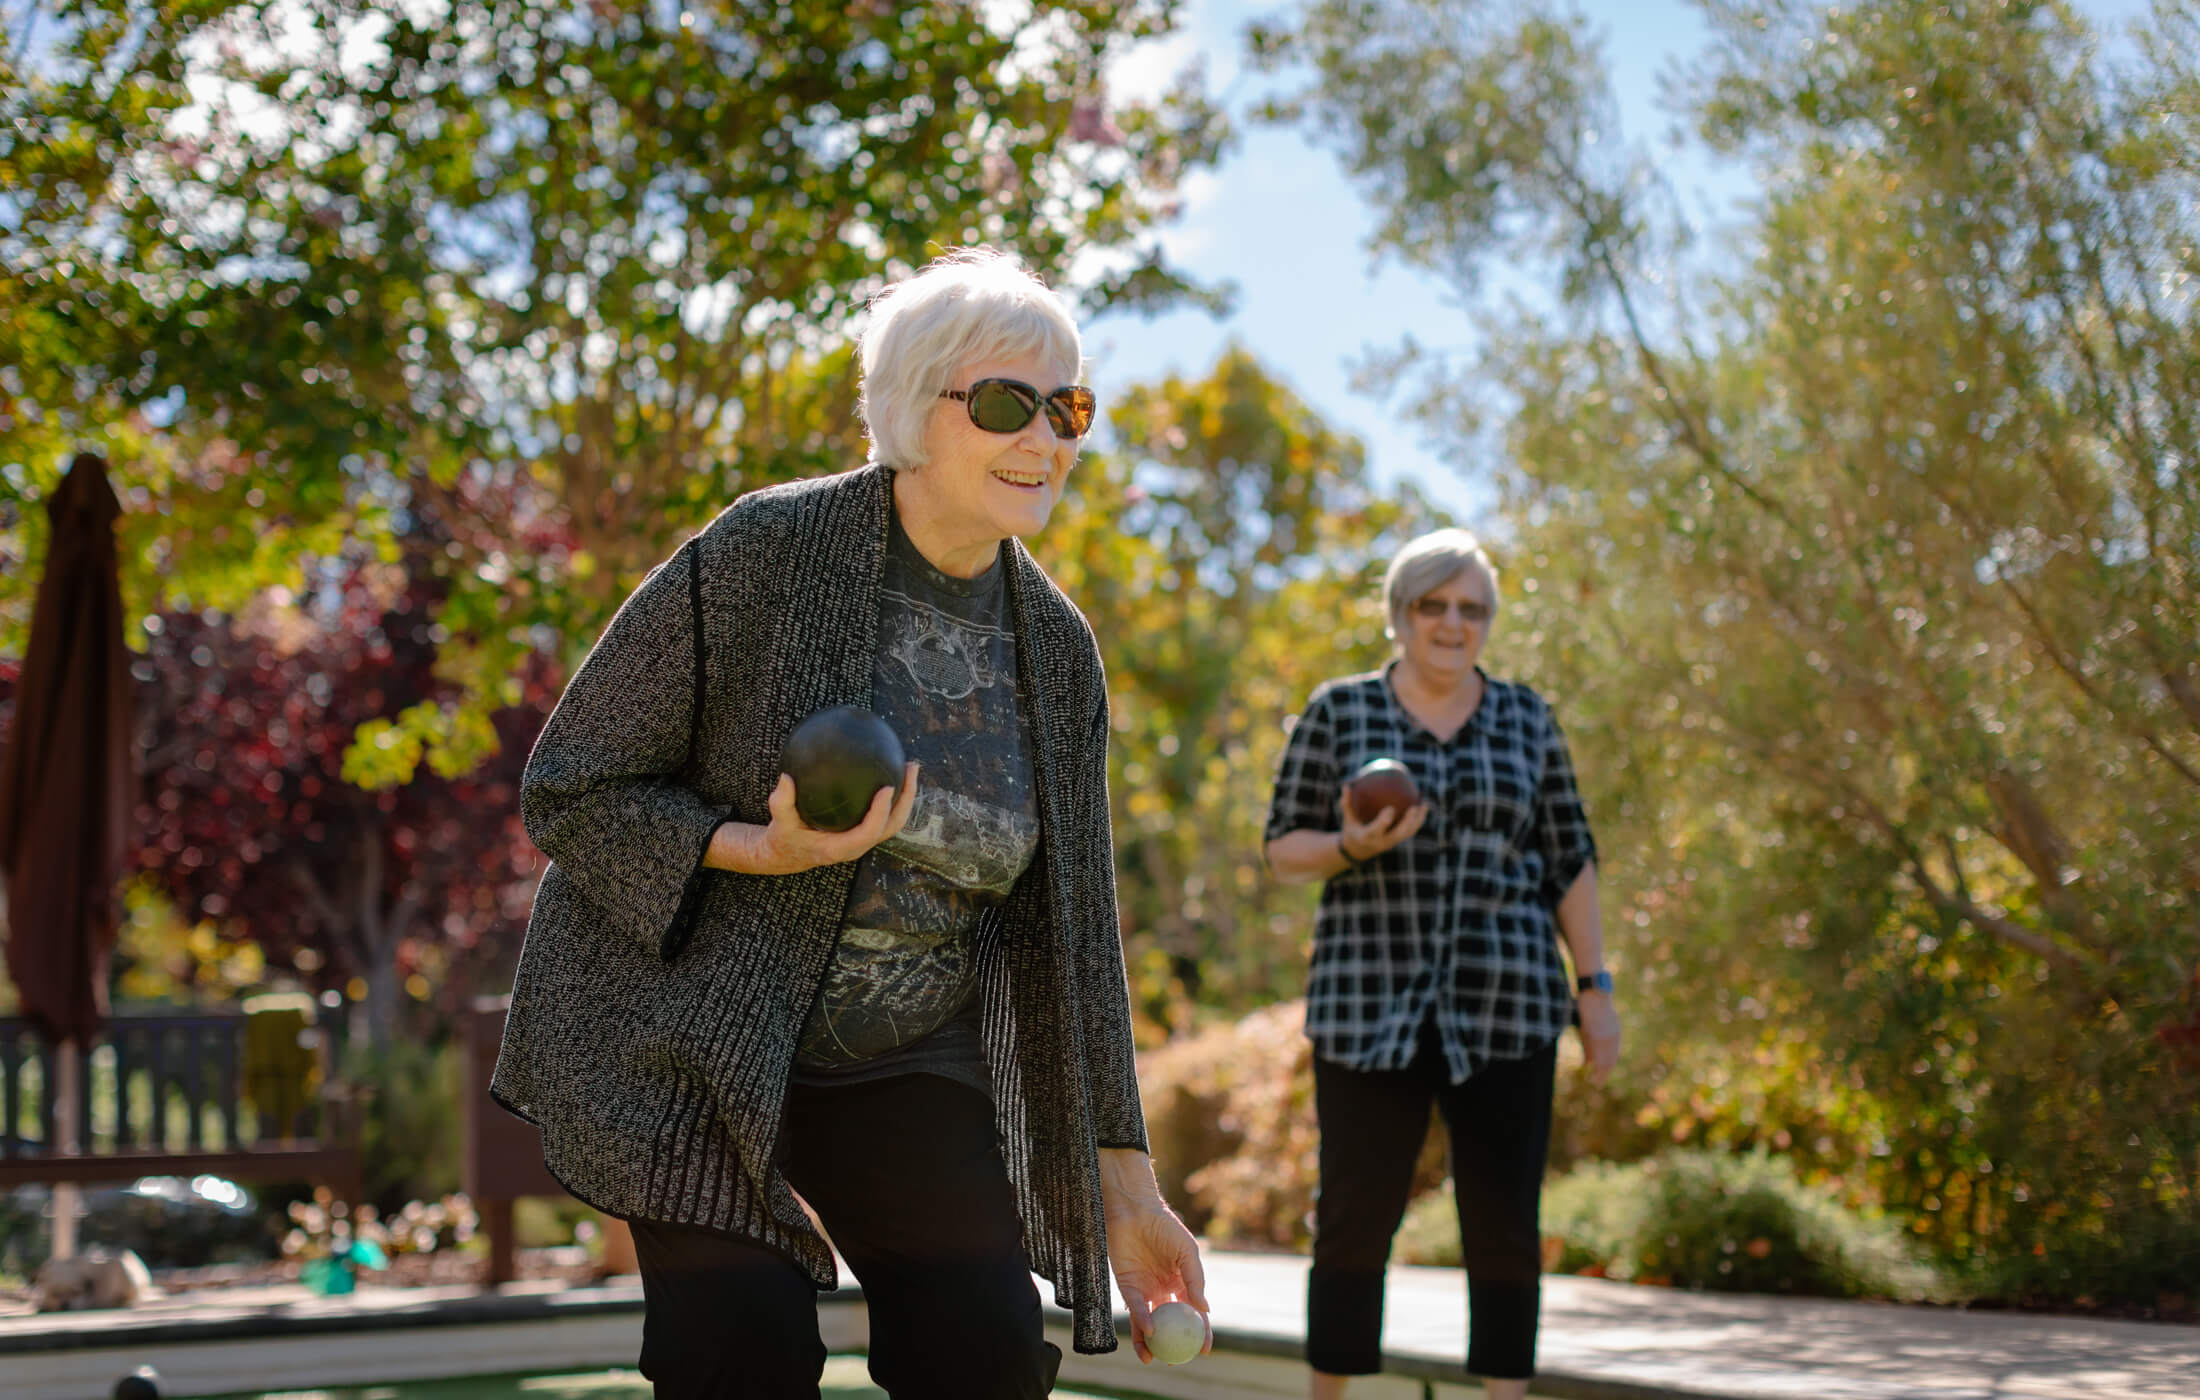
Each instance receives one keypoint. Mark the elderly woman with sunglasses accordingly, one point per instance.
(1436, 972)
(920, 1025)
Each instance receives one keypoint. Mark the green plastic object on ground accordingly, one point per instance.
(337, 1273)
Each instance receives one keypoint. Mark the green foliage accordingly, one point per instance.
(1860, 565)
(412, 1126)
(566, 278)
(1742, 1224)
(539, 1222)
(1738, 1223)
(1429, 1233)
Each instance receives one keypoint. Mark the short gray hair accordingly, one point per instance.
(1427, 564)
(969, 304)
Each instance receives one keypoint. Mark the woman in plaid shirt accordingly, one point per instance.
(1436, 972)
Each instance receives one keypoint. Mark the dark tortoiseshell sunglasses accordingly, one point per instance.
(1008, 405)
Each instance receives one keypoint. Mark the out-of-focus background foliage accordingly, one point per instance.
(1855, 542)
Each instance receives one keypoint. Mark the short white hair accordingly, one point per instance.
(968, 305)
(1427, 564)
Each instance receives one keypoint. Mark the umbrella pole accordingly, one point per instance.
(65, 1199)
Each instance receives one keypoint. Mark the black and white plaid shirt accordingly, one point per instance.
(1459, 921)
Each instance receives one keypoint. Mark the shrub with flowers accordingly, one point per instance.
(334, 1242)
(1230, 1116)
(423, 1227)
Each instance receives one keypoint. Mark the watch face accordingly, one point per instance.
(1594, 982)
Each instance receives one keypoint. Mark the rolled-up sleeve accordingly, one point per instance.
(1306, 777)
(1562, 822)
(601, 794)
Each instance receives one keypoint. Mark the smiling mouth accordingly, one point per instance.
(1022, 479)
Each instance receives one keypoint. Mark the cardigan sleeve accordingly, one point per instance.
(1103, 984)
(601, 794)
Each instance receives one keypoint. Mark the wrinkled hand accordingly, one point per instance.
(1156, 1261)
(790, 846)
(1599, 1034)
(1363, 841)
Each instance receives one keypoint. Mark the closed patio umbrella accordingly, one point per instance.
(67, 780)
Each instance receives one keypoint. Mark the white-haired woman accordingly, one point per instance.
(1436, 973)
(920, 1025)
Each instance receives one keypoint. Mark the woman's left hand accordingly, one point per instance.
(1156, 1261)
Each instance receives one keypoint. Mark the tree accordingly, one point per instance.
(1228, 554)
(250, 819)
(1868, 559)
(344, 257)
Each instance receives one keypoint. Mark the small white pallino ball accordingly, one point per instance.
(1177, 1334)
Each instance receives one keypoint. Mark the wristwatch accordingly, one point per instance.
(1598, 981)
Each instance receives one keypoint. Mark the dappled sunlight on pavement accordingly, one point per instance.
(1750, 1345)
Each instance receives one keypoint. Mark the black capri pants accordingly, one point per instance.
(1372, 1124)
(906, 1174)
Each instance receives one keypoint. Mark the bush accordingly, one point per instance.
(1720, 1221)
(1232, 1127)
(1592, 1215)
(1599, 1200)
(1729, 1222)
(1230, 1119)
(540, 1222)
(411, 1130)
(1430, 1232)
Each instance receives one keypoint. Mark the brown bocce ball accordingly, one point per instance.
(1380, 783)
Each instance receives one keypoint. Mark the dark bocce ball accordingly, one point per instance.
(1380, 783)
(839, 759)
(141, 1384)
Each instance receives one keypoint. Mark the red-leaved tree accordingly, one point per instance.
(247, 818)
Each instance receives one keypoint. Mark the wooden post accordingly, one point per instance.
(496, 1218)
(65, 1198)
(503, 1154)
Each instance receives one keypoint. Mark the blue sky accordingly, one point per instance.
(1279, 219)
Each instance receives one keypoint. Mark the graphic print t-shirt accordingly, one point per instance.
(900, 994)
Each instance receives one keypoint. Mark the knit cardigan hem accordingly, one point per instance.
(580, 1193)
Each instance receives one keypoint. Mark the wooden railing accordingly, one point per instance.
(165, 1095)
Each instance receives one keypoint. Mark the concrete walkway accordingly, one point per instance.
(1614, 1339)
(1601, 1341)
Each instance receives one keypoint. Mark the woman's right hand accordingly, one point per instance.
(1363, 841)
(790, 846)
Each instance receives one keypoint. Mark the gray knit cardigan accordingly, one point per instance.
(658, 1004)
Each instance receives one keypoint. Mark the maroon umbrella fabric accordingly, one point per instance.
(67, 776)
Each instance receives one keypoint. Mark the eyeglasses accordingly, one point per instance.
(1008, 405)
(1437, 609)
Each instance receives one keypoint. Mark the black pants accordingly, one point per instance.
(1372, 1125)
(907, 1175)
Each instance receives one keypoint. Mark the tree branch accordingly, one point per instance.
(317, 898)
